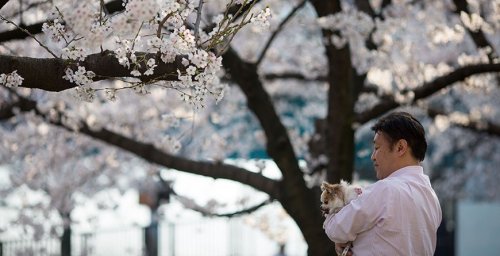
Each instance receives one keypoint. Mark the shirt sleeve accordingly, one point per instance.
(358, 216)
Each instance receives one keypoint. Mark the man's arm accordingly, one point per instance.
(358, 216)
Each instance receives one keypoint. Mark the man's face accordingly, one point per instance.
(384, 157)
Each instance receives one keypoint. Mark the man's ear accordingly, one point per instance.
(401, 147)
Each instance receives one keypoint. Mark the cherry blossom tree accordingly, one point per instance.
(300, 80)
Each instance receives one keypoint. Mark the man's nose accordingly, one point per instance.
(373, 156)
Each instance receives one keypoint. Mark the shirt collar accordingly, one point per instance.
(412, 169)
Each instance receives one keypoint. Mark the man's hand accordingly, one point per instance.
(339, 248)
(324, 210)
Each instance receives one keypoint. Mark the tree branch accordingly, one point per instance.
(343, 88)
(477, 36)
(275, 33)
(198, 19)
(190, 204)
(365, 7)
(111, 7)
(295, 197)
(47, 73)
(469, 123)
(427, 89)
(7, 110)
(278, 145)
(29, 34)
(153, 155)
(2, 3)
(290, 75)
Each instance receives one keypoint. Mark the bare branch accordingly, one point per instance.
(29, 34)
(278, 146)
(198, 19)
(428, 89)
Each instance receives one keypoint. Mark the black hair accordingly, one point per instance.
(402, 125)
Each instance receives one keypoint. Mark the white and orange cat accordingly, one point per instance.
(335, 196)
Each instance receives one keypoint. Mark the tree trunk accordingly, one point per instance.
(300, 202)
(339, 132)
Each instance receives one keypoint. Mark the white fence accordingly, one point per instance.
(207, 237)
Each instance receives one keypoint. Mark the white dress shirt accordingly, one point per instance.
(398, 215)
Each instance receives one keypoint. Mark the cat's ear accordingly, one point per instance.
(325, 186)
(344, 183)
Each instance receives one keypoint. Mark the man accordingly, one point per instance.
(400, 213)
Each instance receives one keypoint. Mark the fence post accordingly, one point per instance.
(1, 248)
(66, 242)
(151, 235)
(151, 239)
(172, 238)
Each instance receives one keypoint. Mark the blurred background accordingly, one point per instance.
(104, 152)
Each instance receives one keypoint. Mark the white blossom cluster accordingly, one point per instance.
(201, 76)
(74, 53)
(474, 22)
(136, 31)
(124, 51)
(261, 20)
(354, 26)
(140, 10)
(80, 77)
(11, 80)
(494, 17)
(151, 64)
(55, 30)
(79, 16)
(442, 34)
(469, 59)
(88, 25)
(87, 94)
(47, 179)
